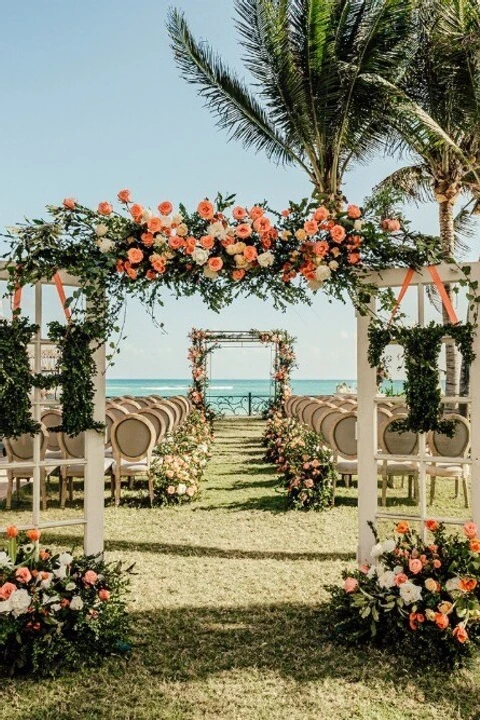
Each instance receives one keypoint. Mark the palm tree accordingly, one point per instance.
(327, 77)
(445, 80)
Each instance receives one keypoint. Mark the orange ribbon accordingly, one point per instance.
(17, 297)
(447, 303)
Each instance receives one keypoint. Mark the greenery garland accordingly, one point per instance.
(285, 361)
(422, 347)
(16, 379)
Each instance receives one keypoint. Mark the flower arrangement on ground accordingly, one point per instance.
(180, 461)
(198, 354)
(56, 610)
(418, 598)
(284, 362)
(307, 472)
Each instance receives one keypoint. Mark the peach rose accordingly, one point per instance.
(190, 244)
(175, 242)
(6, 590)
(33, 535)
(136, 211)
(23, 575)
(250, 253)
(215, 264)
(262, 224)
(119, 266)
(390, 225)
(69, 203)
(105, 208)
(432, 585)
(11, 531)
(431, 525)
(460, 634)
(321, 214)
(309, 483)
(104, 594)
(206, 210)
(158, 262)
(445, 607)
(441, 621)
(207, 242)
(256, 212)
(131, 272)
(154, 224)
(415, 566)
(437, 564)
(165, 208)
(124, 196)
(190, 491)
(285, 213)
(238, 274)
(475, 545)
(353, 258)
(354, 212)
(135, 255)
(150, 274)
(243, 231)
(467, 584)
(350, 584)
(470, 530)
(400, 579)
(239, 213)
(320, 248)
(310, 227)
(90, 577)
(338, 233)
(147, 239)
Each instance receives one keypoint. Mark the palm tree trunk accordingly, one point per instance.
(447, 237)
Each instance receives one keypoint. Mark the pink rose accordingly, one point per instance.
(104, 594)
(69, 203)
(415, 566)
(23, 575)
(6, 590)
(338, 233)
(350, 585)
(470, 530)
(105, 208)
(354, 212)
(90, 577)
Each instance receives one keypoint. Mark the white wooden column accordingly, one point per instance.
(475, 415)
(366, 441)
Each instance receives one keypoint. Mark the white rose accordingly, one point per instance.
(167, 221)
(61, 572)
(410, 593)
(70, 586)
(56, 607)
(200, 256)
(182, 230)
(160, 240)
(65, 559)
(20, 601)
(169, 254)
(5, 606)
(322, 273)
(177, 218)
(240, 261)
(452, 584)
(5, 560)
(76, 603)
(358, 224)
(372, 571)
(47, 581)
(101, 230)
(216, 230)
(181, 489)
(389, 545)
(398, 569)
(266, 259)
(231, 249)
(147, 215)
(387, 580)
(105, 245)
(314, 285)
(377, 550)
(210, 273)
(333, 265)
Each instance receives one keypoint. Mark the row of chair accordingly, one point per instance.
(335, 419)
(133, 427)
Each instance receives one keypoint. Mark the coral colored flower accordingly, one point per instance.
(285, 213)
(441, 621)
(431, 525)
(256, 212)
(135, 255)
(338, 233)
(350, 585)
(215, 264)
(119, 266)
(207, 242)
(460, 634)
(243, 231)
(320, 248)
(250, 253)
(413, 620)
(23, 575)
(158, 263)
(206, 210)
(400, 579)
(402, 527)
(190, 243)
(262, 224)
(44, 555)
(445, 607)
(6, 590)
(175, 242)
(437, 563)
(11, 531)
(390, 224)
(90, 577)
(105, 208)
(69, 203)
(136, 211)
(321, 214)
(33, 535)
(432, 585)
(150, 274)
(154, 224)
(165, 208)
(353, 258)
(239, 213)
(238, 274)
(310, 227)
(131, 272)
(170, 490)
(415, 566)
(354, 212)
(467, 584)
(147, 239)
(104, 594)
(124, 196)
(475, 545)
(470, 530)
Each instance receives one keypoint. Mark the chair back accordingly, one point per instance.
(73, 447)
(181, 408)
(177, 411)
(309, 410)
(20, 449)
(133, 438)
(130, 406)
(326, 424)
(296, 399)
(456, 446)
(158, 421)
(344, 435)
(288, 405)
(141, 402)
(167, 414)
(187, 404)
(52, 418)
(398, 410)
(394, 442)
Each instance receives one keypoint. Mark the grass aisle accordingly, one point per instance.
(227, 623)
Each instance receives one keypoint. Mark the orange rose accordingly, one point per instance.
(215, 264)
(206, 210)
(135, 256)
(321, 213)
(415, 566)
(338, 233)
(150, 274)
(154, 225)
(256, 212)
(238, 274)
(6, 590)
(23, 575)
(285, 213)
(460, 634)
(119, 266)
(354, 212)
(90, 577)
(437, 563)
(262, 224)
(33, 535)
(165, 208)
(147, 239)
(105, 208)
(441, 621)
(124, 196)
(320, 248)
(250, 253)
(431, 525)
(353, 258)
(158, 262)
(131, 272)
(475, 545)
(402, 527)
(175, 242)
(467, 584)
(239, 213)
(470, 530)
(69, 203)
(104, 594)
(310, 227)
(190, 244)
(390, 224)
(136, 211)
(243, 231)
(11, 531)
(207, 242)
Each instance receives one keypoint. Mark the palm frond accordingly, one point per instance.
(413, 183)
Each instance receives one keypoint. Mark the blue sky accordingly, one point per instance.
(92, 103)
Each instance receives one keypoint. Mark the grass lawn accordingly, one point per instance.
(227, 606)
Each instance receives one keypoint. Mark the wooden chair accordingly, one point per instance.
(133, 439)
(73, 448)
(158, 421)
(21, 450)
(393, 442)
(456, 447)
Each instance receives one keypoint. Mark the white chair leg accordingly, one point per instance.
(465, 491)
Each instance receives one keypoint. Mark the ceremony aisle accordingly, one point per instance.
(227, 606)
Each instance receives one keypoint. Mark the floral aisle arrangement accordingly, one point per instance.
(58, 611)
(180, 461)
(284, 363)
(417, 598)
(197, 355)
(307, 472)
